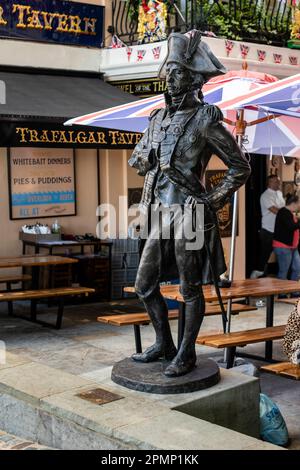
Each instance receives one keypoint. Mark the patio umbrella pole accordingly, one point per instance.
(240, 130)
(232, 255)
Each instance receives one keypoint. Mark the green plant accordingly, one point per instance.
(232, 22)
(235, 20)
(133, 8)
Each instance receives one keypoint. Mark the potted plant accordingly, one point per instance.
(152, 17)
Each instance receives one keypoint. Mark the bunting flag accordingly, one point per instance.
(293, 60)
(129, 52)
(244, 50)
(229, 45)
(116, 42)
(261, 55)
(141, 54)
(156, 52)
(277, 58)
(209, 34)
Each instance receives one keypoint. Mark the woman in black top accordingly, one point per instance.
(286, 240)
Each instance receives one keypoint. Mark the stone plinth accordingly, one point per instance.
(150, 377)
(44, 405)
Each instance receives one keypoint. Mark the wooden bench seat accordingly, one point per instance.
(241, 338)
(142, 318)
(11, 279)
(126, 319)
(34, 295)
(284, 369)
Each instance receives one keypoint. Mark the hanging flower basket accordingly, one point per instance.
(294, 42)
(152, 16)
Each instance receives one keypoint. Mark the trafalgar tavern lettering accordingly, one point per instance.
(28, 17)
(47, 136)
(51, 21)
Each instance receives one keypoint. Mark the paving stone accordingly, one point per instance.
(22, 381)
(105, 417)
(75, 359)
(15, 443)
(21, 446)
(13, 360)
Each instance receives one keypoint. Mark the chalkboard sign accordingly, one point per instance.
(224, 215)
(41, 183)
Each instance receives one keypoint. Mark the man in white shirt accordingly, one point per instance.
(271, 201)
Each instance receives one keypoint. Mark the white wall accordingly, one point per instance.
(115, 65)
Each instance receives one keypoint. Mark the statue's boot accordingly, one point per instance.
(186, 358)
(164, 346)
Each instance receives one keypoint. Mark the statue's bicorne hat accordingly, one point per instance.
(190, 52)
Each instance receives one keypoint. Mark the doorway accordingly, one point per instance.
(255, 186)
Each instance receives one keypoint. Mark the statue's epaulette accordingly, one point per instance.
(154, 113)
(212, 113)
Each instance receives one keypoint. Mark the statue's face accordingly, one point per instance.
(178, 79)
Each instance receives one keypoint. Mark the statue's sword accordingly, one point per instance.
(215, 281)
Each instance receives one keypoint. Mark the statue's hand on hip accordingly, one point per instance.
(192, 202)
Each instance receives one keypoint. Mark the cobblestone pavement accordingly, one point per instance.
(10, 442)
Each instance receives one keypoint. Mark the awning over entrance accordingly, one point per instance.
(56, 97)
(37, 105)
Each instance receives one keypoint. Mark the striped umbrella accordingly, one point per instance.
(260, 96)
(271, 116)
(134, 116)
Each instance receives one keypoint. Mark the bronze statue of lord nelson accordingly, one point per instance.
(173, 155)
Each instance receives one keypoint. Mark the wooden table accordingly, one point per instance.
(52, 246)
(34, 262)
(38, 260)
(263, 287)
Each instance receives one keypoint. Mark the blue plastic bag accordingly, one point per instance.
(272, 425)
(172, 304)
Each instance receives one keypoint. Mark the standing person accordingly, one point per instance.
(271, 201)
(286, 240)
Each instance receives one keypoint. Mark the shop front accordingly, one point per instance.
(54, 174)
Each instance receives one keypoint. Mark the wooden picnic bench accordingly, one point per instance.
(263, 287)
(34, 262)
(284, 369)
(10, 279)
(240, 338)
(14, 278)
(34, 295)
(142, 318)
